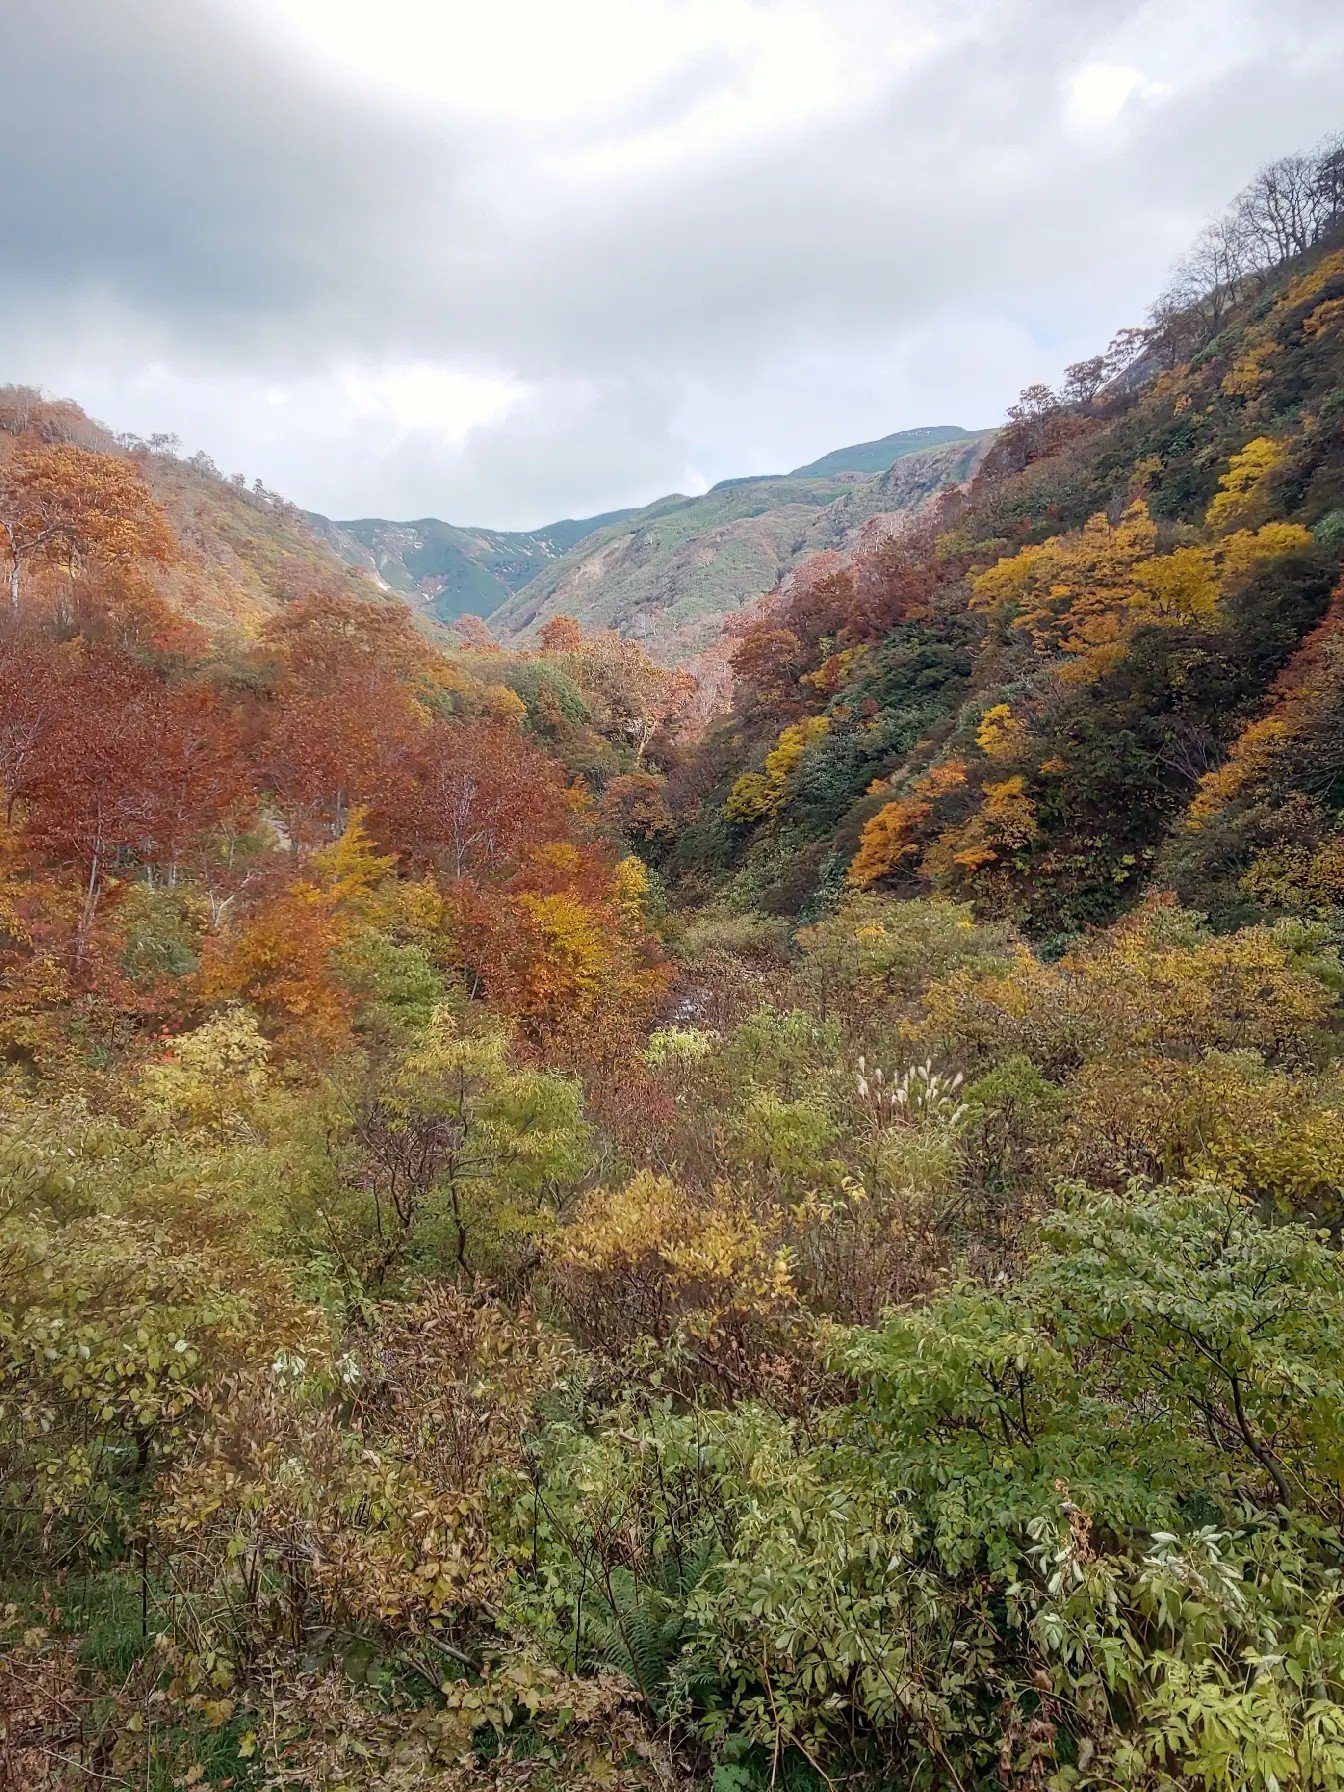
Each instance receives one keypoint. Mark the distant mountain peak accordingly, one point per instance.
(876, 457)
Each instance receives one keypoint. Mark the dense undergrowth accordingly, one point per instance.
(536, 1252)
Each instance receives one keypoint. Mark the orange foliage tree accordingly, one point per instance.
(562, 634)
(574, 966)
(65, 505)
(278, 960)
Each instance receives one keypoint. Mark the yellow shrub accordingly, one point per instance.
(212, 1077)
(652, 1261)
(750, 799)
(1225, 1118)
(1154, 986)
(1300, 878)
(701, 1242)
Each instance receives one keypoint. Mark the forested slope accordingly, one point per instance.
(237, 549)
(489, 1300)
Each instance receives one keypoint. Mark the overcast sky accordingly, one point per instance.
(503, 261)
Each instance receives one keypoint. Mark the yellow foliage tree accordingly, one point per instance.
(1082, 596)
(1246, 549)
(1256, 750)
(630, 885)
(750, 799)
(352, 867)
(1241, 489)
(1000, 733)
(1005, 820)
(566, 971)
(757, 795)
(1067, 592)
(1176, 588)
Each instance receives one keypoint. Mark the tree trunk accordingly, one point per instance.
(13, 566)
(90, 904)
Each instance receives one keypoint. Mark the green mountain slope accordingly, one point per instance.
(448, 571)
(667, 572)
(670, 573)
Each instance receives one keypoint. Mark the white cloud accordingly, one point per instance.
(593, 64)
(506, 262)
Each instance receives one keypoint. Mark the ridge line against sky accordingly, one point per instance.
(499, 264)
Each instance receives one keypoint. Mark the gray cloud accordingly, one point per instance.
(203, 229)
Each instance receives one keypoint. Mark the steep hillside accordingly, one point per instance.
(1112, 661)
(669, 574)
(451, 572)
(244, 548)
(240, 550)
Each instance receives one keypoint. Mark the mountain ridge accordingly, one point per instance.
(672, 573)
(446, 570)
(878, 456)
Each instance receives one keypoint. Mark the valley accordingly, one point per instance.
(730, 1179)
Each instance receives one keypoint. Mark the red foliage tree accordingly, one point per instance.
(121, 767)
(30, 703)
(326, 754)
(472, 796)
(342, 721)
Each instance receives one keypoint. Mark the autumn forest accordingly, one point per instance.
(569, 1220)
